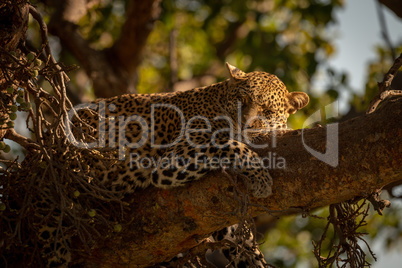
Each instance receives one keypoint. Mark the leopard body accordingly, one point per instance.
(197, 126)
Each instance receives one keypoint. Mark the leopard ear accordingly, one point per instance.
(235, 73)
(296, 101)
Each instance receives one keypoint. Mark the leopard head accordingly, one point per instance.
(264, 101)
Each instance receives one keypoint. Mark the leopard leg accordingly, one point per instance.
(246, 254)
(182, 164)
(241, 252)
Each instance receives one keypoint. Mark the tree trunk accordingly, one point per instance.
(166, 222)
(13, 28)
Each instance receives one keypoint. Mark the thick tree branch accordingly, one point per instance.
(112, 71)
(166, 222)
(139, 24)
(108, 80)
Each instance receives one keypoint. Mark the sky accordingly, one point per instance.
(359, 32)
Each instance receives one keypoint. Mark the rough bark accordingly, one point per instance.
(112, 70)
(166, 222)
(13, 27)
(13, 24)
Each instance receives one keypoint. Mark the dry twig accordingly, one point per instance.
(384, 87)
(344, 249)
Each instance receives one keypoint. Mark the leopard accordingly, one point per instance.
(241, 251)
(196, 128)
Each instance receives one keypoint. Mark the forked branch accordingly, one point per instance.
(384, 87)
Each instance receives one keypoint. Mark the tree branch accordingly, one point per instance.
(112, 71)
(139, 24)
(384, 29)
(384, 87)
(13, 27)
(394, 5)
(14, 23)
(166, 222)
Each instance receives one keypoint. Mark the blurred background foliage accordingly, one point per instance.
(191, 41)
(289, 243)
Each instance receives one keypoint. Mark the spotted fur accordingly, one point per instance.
(240, 251)
(256, 101)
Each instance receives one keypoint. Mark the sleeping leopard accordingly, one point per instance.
(171, 139)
